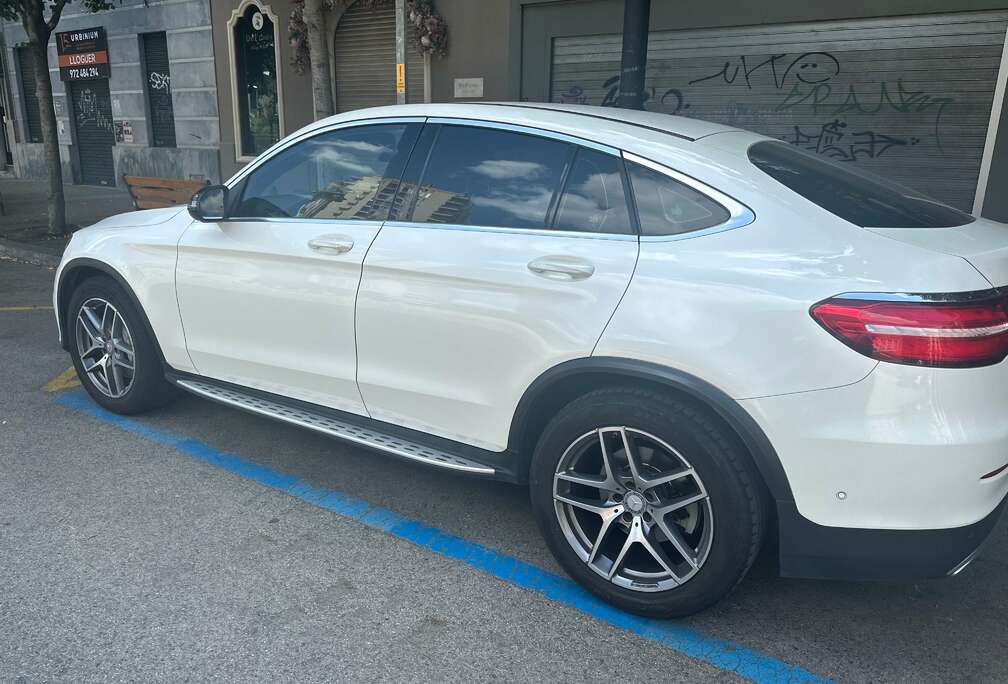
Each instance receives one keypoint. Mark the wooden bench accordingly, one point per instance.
(154, 193)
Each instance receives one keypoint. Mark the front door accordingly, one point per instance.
(515, 255)
(92, 116)
(267, 296)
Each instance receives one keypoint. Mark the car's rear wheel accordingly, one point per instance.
(647, 501)
(115, 357)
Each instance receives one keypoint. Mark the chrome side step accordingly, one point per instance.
(334, 428)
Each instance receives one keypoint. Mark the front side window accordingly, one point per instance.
(256, 69)
(854, 195)
(667, 207)
(593, 200)
(489, 177)
(348, 174)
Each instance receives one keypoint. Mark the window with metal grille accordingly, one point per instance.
(159, 97)
(26, 64)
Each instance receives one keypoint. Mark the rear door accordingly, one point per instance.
(267, 295)
(507, 252)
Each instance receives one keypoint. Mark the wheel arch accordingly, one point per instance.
(77, 271)
(561, 384)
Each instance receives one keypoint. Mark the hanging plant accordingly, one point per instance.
(430, 31)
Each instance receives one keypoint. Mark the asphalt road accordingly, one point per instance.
(138, 550)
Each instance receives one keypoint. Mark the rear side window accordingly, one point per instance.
(593, 200)
(490, 177)
(862, 198)
(667, 207)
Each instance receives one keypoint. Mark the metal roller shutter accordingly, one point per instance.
(33, 117)
(92, 112)
(159, 97)
(364, 59)
(908, 98)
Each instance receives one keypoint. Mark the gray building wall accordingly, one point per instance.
(542, 21)
(193, 83)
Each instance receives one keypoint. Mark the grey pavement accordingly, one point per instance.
(124, 559)
(26, 203)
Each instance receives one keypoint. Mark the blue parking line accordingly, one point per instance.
(723, 654)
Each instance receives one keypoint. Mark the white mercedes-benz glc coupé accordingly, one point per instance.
(685, 338)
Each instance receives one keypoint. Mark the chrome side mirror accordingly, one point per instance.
(209, 203)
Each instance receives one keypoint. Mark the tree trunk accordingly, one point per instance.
(317, 46)
(38, 38)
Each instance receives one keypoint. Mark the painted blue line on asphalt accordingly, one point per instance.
(723, 654)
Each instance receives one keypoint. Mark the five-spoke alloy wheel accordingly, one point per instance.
(647, 499)
(105, 347)
(115, 354)
(633, 509)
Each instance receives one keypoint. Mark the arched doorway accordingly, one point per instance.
(364, 59)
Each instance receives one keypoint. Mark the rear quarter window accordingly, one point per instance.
(854, 195)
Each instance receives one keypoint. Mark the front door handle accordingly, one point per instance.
(562, 267)
(331, 244)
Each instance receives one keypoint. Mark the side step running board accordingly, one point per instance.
(334, 427)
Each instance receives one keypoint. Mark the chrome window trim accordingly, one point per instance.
(527, 130)
(739, 214)
(921, 297)
(293, 140)
(544, 232)
(295, 219)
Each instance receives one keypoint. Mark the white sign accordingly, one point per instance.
(257, 21)
(469, 87)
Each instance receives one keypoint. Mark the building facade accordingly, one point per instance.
(147, 106)
(910, 89)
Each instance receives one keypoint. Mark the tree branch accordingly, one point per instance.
(54, 17)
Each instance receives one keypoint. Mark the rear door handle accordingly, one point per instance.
(331, 244)
(562, 267)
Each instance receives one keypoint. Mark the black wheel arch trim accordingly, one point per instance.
(63, 299)
(738, 419)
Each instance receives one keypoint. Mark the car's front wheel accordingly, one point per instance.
(646, 501)
(115, 357)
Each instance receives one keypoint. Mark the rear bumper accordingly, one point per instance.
(818, 552)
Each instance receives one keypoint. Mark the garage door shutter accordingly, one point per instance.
(33, 120)
(908, 98)
(364, 59)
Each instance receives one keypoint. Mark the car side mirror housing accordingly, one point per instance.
(209, 203)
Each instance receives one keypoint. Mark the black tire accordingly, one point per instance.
(726, 471)
(149, 389)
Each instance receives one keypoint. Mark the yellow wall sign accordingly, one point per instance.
(400, 78)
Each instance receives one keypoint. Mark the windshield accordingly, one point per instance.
(857, 196)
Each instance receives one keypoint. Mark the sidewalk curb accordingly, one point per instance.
(28, 254)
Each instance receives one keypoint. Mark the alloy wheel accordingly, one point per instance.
(105, 347)
(633, 509)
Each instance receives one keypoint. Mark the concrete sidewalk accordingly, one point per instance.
(24, 216)
(26, 203)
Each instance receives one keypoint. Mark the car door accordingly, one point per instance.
(506, 254)
(267, 295)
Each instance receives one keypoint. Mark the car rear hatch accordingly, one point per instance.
(983, 243)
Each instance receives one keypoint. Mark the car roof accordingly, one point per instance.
(603, 124)
(679, 126)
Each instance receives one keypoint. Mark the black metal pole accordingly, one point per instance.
(636, 19)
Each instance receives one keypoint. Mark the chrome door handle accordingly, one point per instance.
(331, 244)
(561, 268)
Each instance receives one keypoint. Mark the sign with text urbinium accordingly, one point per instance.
(83, 54)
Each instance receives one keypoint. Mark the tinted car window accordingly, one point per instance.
(667, 207)
(593, 199)
(350, 173)
(854, 195)
(489, 177)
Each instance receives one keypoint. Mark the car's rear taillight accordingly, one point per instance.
(939, 331)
